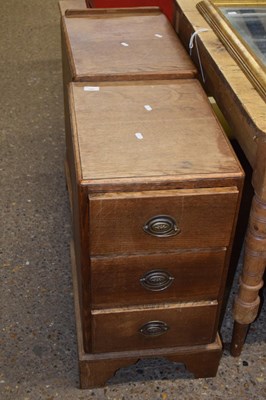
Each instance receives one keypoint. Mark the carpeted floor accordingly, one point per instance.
(38, 338)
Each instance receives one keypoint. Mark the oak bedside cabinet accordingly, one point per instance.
(155, 190)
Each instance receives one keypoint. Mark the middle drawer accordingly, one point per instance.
(149, 279)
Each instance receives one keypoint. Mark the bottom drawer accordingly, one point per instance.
(143, 328)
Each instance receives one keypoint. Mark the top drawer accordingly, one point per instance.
(123, 44)
(161, 220)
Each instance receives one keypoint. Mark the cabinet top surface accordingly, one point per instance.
(133, 42)
(148, 129)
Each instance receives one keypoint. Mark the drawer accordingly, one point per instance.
(158, 221)
(145, 328)
(139, 279)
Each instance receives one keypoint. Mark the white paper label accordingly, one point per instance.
(91, 88)
(148, 107)
(139, 135)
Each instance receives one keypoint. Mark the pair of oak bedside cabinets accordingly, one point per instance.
(154, 188)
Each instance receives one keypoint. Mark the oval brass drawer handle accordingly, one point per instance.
(154, 328)
(161, 226)
(157, 280)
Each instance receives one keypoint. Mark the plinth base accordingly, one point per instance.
(97, 369)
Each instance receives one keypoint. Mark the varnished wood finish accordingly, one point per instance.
(204, 217)
(118, 329)
(96, 369)
(247, 301)
(112, 12)
(242, 106)
(105, 44)
(196, 276)
(111, 206)
(252, 67)
(202, 361)
(239, 337)
(180, 120)
(246, 112)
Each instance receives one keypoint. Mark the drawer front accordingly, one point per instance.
(131, 329)
(133, 280)
(161, 220)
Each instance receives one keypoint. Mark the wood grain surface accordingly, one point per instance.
(181, 136)
(118, 329)
(95, 369)
(124, 44)
(239, 101)
(204, 217)
(245, 111)
(196, 275)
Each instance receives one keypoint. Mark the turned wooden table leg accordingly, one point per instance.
(247, 301)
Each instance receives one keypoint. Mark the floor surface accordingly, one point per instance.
(38, 338)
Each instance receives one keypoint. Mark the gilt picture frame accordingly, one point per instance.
(241, 27)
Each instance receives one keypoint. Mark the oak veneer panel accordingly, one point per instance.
(186, 170)
(116, 281)
(189, 324)
(185, 144)
(196, 276)
(96, 369)
(151, 47)
(204, 217)
(182, 138)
